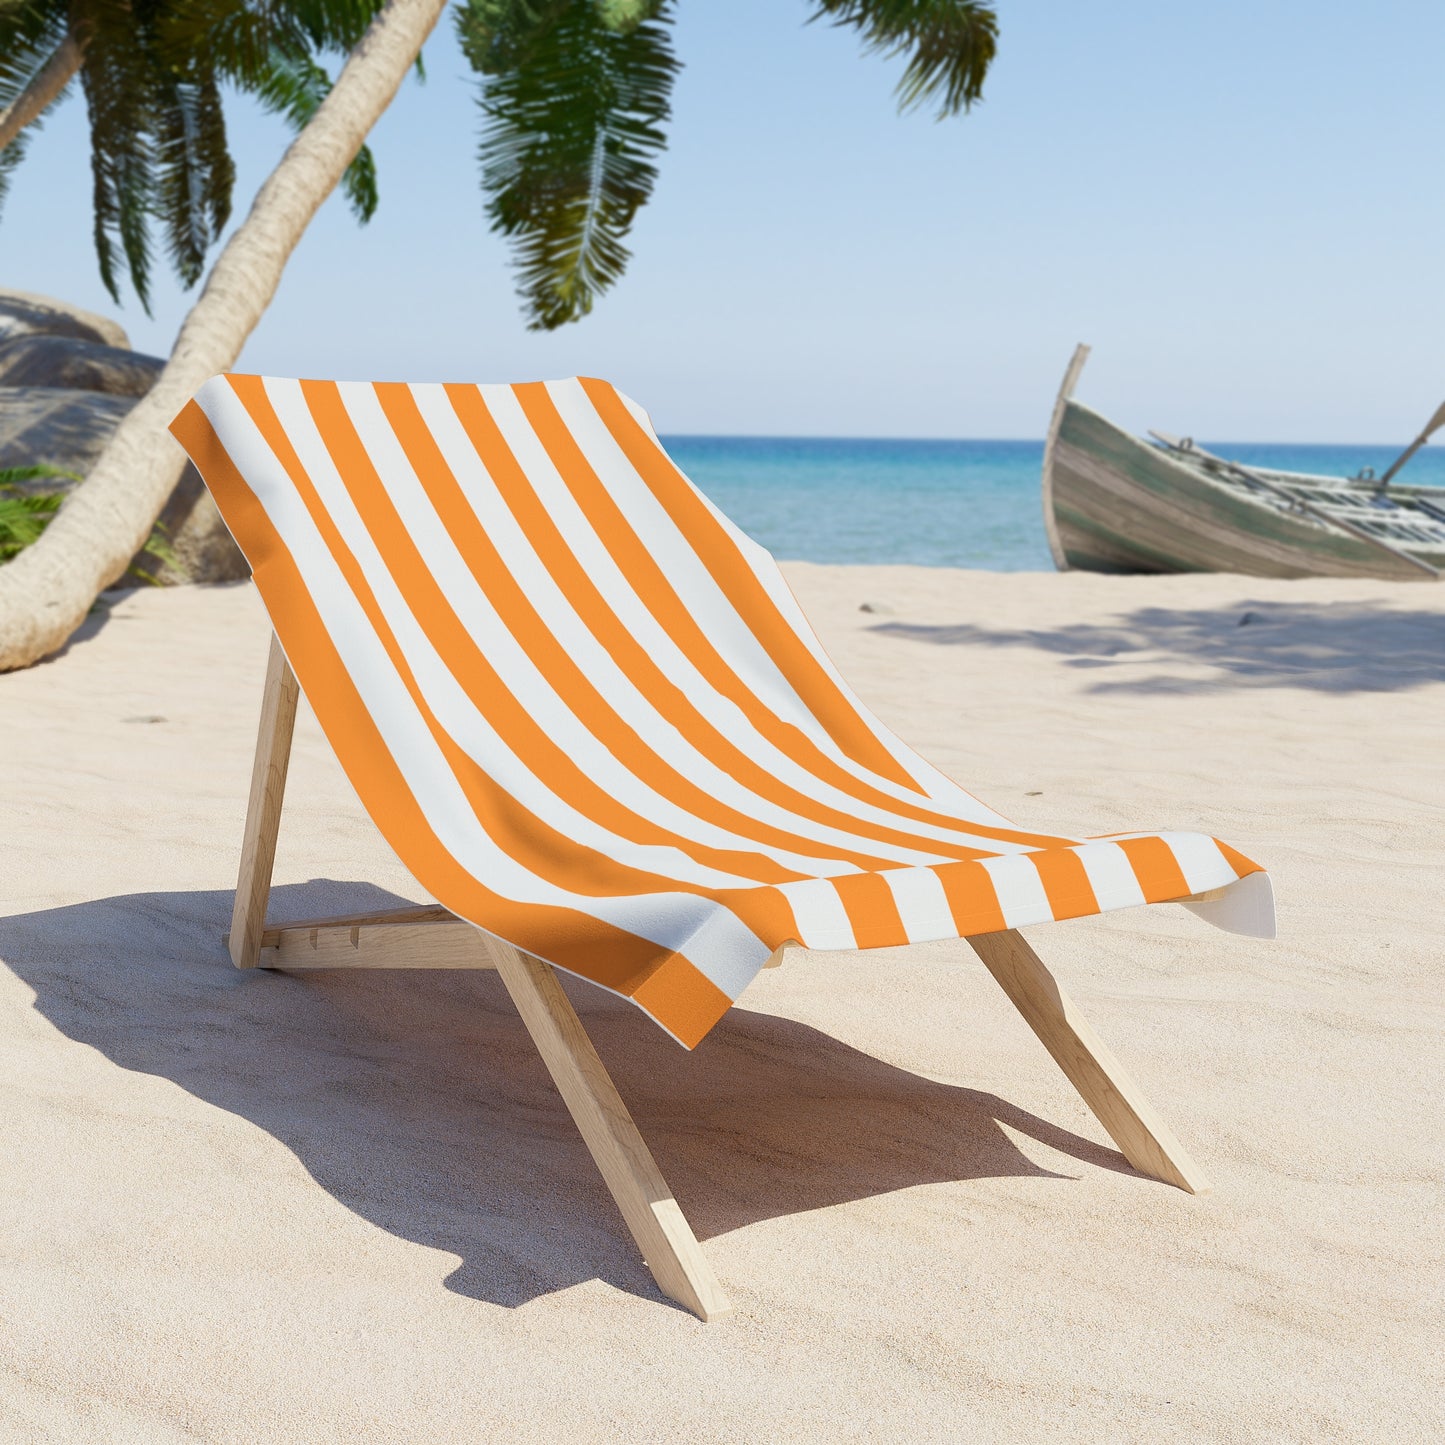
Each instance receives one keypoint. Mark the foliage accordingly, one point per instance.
(575, 94)
(29, 35)
(950, 45)
(574, 104)
(152, 73)
(25, 515)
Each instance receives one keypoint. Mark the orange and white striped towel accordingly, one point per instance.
(587, 712)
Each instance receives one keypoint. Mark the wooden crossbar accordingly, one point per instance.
(425, 936)
(430, 936)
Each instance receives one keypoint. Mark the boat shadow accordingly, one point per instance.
(1319, 647)
(416, 1100)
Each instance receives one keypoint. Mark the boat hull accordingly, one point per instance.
(1116, 504)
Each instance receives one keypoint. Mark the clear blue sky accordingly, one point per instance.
(1239, 204)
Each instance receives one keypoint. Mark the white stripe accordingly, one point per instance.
(922, 903)
(1113, 880)
(822, 920)
(1020, 890)
(1203, 865)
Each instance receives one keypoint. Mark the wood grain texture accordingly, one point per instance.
(652, 1214)
(1142, 1136)
(263, 810)
(1120, 505)
(427, 944)
(407, 913)
(1066, 390)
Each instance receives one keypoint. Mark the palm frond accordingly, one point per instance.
(11, 157)
(574, 101)
(117, 78)
(335, 25)
(269, 50)
(23, 515)
(950, 45)
(29, 36)
(294, 85)
(194, 170)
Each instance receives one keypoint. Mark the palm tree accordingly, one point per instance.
(152, 76)
(575, 93)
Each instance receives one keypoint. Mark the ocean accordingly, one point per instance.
(934, 503)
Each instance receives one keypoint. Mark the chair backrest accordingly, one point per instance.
(582, 706)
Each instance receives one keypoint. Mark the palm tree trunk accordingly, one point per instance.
(46, 591)
(45, 85)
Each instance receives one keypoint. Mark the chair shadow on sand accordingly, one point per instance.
(1335, 647)
(416, 1098)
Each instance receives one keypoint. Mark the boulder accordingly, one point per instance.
(24, 314)
(67, 361)
(58, 426)
(69, 429)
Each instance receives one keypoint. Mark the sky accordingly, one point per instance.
(1239, 205)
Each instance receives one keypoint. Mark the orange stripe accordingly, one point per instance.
(1241, 865)
(972, 898)
(1065, 881)
(872, 910)
(689, 1001)
(719, 553)
(1156, 868)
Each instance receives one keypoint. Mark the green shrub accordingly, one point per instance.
(25, 515)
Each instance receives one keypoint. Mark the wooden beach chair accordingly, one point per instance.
(589, 716)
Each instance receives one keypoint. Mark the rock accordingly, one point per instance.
(69, 362)
(69, 429)
(23, 314)
(55, 425)
(881, 608)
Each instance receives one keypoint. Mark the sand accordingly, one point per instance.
(256, 1208)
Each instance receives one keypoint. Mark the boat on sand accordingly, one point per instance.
(1116, 503)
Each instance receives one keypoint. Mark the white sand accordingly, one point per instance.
(349, 1208)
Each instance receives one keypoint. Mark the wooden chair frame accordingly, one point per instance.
(429, 936)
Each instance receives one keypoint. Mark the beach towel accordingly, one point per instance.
(589, 715)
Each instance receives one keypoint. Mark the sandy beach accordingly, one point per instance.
(341, 1207)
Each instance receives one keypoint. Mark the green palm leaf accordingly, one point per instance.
(294, 85)
(575, 94)
(29, 35)
(194, 170)
(116, 75)
(949, 43)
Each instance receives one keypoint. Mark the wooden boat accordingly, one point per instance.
(1116, 503)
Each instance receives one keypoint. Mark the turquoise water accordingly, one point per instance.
(933, 503)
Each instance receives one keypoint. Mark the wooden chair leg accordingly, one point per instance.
(662, 1233)
(263, 811)
(1142, 1136)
